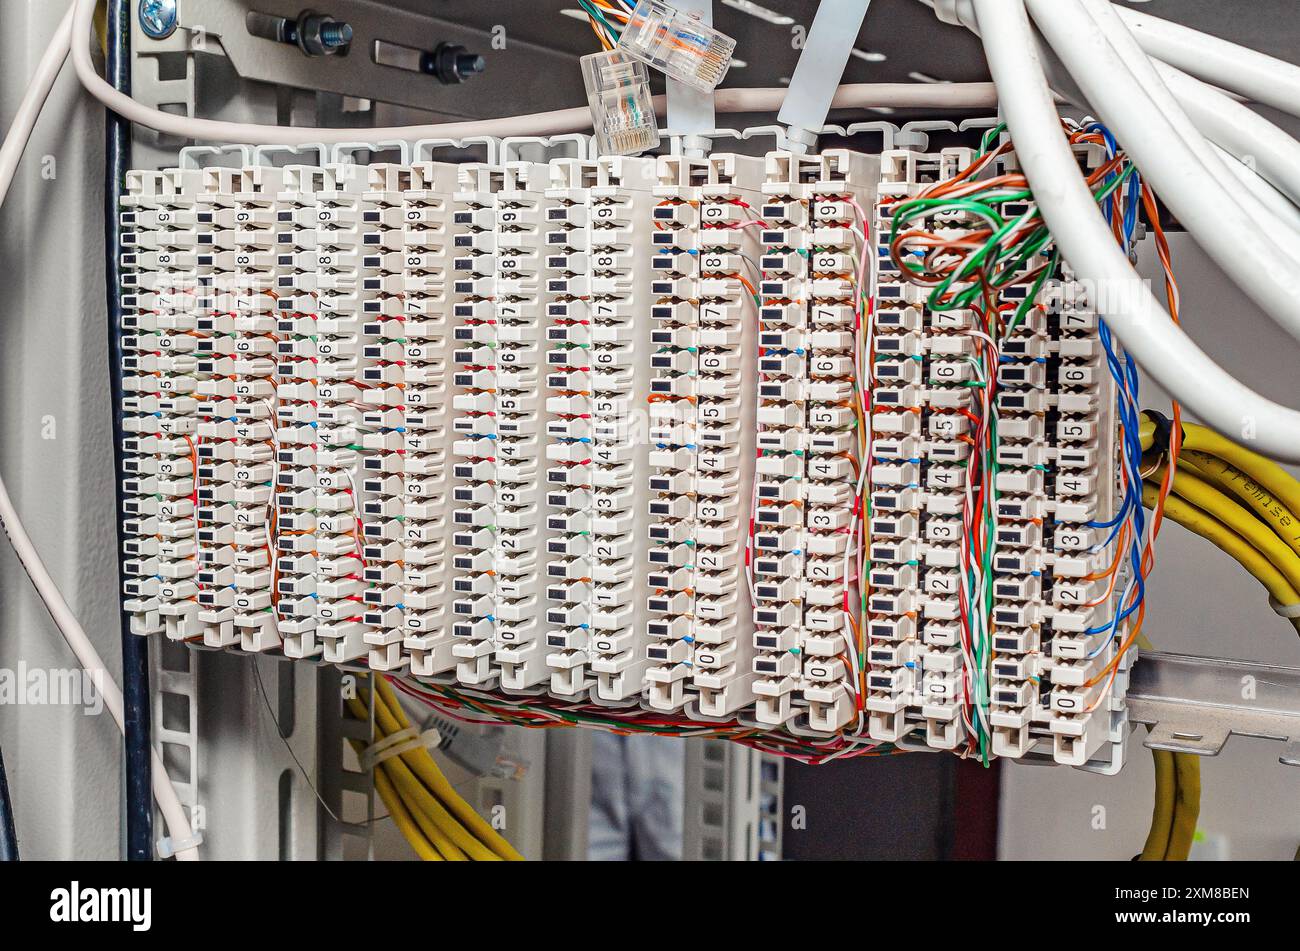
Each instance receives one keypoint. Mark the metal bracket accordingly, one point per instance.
(1193, 704)
(733, 804)
(220, 27)
(175, 681)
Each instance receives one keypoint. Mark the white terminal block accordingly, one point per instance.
(160, 375)
(596, 429)
(810, 449)
(1058, 471)
(598, 266)
(702, 427)
(431, 335)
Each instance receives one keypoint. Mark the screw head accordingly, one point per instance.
(158, 18)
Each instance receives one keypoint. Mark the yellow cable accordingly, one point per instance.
(1210, 500)
(1187, 806)
(1284, 522)
(100, 22)
(1162, 816)
(1146, 432)
(1194, 520)
(436, 827)
(407, 820)
(424, 766)
(402, 788)
(1264, 471)
(452, 839)
(402, 819)
(415, 790)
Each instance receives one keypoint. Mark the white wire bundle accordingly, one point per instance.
(1230, 176)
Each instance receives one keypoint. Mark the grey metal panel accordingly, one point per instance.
(253, 801)
(64, 766)
(221, 27)
(1194, 704)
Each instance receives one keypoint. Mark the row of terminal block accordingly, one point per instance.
(702, 432)
(811, 438)
(1035, 678)
(924, 373)
(160, 367)
(597, 428)
(330, 296)
(426, 261)
(500, 515)
(234, 439)
(598, 264)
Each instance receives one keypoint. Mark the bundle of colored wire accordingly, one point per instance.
(431, 815)
(607, 19)
(549, 713)
(967, 269)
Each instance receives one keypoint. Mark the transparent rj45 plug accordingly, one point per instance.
(622, 110)
(682, 46)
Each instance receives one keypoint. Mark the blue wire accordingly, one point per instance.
(1126, 379)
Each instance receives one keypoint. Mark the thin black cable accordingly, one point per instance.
(302, 770)
(8, 834)
(135, 649)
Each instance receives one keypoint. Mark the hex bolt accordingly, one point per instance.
(318, 34)
(335, 35)
(452, 64)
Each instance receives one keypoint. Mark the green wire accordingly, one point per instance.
(594, 12)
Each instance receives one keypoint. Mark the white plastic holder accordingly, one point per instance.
(313, 154)
(216, 156)
(697, 145)
(425, 149)
(821, 65)
(168, 847)
(574, 145)
(395, 744)
(345, 153)
(916, 135)
(887, 130)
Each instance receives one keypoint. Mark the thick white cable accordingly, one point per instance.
(1260, 187)
(11, 151)
(1086, 241)
(178, 825)
(1143, 72)
(1218, 223)
(1251, 139)
(1237, 129)
(1238, 69)
(1255, 75)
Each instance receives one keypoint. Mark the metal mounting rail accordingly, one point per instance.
(1193, 704)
